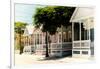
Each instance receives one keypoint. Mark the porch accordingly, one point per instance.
(60, 44)
(82, 32)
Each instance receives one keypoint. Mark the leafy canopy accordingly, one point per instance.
(52, 17)
(19, 26)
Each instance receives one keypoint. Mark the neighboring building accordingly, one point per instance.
(59, 44)
(77, 39)
(83, 32)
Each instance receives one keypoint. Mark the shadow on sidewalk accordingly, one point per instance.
(53, 58)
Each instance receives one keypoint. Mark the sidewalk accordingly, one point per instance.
(36, 59)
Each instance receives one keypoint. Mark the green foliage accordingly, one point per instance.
(19, 29)
(52, 17)
(19, 26)
(17, 47)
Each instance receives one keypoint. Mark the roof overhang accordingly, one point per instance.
(82, 13)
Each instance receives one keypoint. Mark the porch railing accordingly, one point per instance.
(54, 49)
(82, 48)
(81, 44)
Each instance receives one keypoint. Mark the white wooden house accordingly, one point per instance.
(83, 32)
(60, 43)
(28, 42)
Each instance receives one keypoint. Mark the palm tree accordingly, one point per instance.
(19, 30)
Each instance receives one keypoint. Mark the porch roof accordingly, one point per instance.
(82, 13)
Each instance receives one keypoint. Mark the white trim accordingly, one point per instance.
(78, 9)
(82, 18)
(73, 15)
(72, 37)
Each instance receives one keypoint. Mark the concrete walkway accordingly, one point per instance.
(36, 59)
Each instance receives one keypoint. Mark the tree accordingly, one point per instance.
(19, 30)
(51, 18)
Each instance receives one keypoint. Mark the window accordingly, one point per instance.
(40, 38)
(84, 32)
(53, 38)
(76, 52)
(37, 38)
(92, 34)
(53, 51)
(32, 51)
(69, 36)
(60, 39)
(76, 31)
(58, 51)
(84, 52)
(33, 39)
(44, 46)
(65, 36)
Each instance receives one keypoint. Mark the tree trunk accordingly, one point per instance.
(20, 42)
(46, 42)
(61, 38)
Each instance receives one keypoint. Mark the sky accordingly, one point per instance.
(24, 12)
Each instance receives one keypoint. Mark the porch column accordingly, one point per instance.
(72, 31)
(89, 36)
(80, 32)
(61, 38)
(80, 36)
(72, 36)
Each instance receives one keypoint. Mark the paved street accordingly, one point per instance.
(35, 59)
